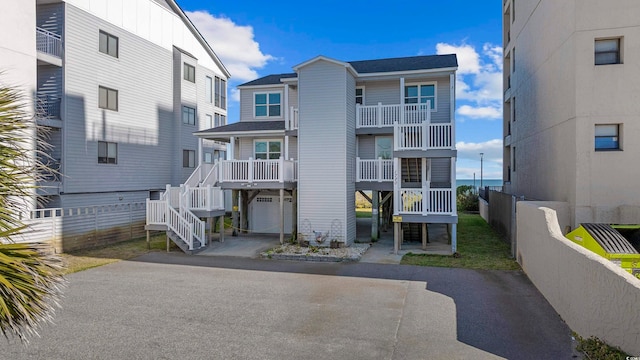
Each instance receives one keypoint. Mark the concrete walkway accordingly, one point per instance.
(174, 306)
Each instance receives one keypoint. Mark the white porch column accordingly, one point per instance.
(200, 158)
(402, 91)
(281, 216)
(286, 147)
(452, 80)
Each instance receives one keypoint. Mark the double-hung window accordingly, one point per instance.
(607, 51)
(607, 137)
(107, 152)
(220, 120)
(188, 115)
(267, 104)
(268, 149)
(420, 94)
(108, 44)
(107, 98)
(360, 95)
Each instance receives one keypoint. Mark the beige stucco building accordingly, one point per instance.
(572, 105)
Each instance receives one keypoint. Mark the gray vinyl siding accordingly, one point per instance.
(324, 155)
(388, 93)
(366, 147)
(143, 125)
(246, 103)
(49, 80)
(440, 171)
(385, 92)
(50, 17)
(351, 160)
(97, 199)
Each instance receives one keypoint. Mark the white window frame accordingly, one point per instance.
(268, 104)
(208, 89)
(419, 84)
(219, 120)
(208, 158)
(209, 121)
(108, 105)
(268, 153)
(364, 99)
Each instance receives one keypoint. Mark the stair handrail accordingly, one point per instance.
(197, 225)
(180, 226)
(212, 177)
(195, 177)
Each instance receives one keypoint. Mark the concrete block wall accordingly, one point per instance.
(592, 295)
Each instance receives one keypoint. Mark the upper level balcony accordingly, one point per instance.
(49, 47)
(257, 173)
(411, 125)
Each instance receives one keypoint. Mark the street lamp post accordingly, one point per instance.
(481, 156)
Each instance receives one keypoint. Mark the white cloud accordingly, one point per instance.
(479, 79)
(480, 112)
(491, 149)
(233, 43)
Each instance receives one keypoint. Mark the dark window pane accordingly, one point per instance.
(261, 99)
(427, 90)
(274, 98)
(274, 110)
(274, 146)
(261, 110)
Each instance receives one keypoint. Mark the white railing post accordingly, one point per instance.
(281, 169)
(379, 174)
(396, 186)
(379, 115)
(358, 116)
(250, 170)
(358, 169)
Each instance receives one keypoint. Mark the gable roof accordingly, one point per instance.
(270, 79)
(178, 10)
(405, 64)
(412, 63)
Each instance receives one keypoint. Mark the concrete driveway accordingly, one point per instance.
(174, 306)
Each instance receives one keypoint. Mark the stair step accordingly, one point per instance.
(197, 246)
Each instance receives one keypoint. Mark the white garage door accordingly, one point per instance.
(264, 214)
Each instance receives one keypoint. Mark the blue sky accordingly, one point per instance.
(258, 38)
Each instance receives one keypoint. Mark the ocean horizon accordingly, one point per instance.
(485, 182)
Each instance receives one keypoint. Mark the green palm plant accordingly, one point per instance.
(30, 274)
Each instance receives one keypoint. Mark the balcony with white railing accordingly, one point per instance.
(257, 171)
(426, 201)
(50, 45)
(374, 170)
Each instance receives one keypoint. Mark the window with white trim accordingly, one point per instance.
(267, 149)
(420, 93)
(208, 157)
(384, 147)
(607, 137)
(220, 120)
(360, 95)
(209, 121)
(188, 115)
(267, 104)
(208, 88)
(188, 158)
(607, 51)
(107, 152)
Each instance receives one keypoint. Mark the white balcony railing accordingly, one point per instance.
(48, 42)
(376, 170)
(258, 170)
(292, 122)
(206, 198)
(426, 201)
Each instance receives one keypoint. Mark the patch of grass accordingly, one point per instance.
(479, 247)
(86, 259)
(594, 348)
(363, 213)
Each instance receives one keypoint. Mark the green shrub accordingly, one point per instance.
(466, 199)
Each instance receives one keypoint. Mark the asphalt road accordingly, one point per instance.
(174, 306)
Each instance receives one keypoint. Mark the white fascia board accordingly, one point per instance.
(289, 80)
(228, 134)
(260, 86)
(327, 59)
(409, 72)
